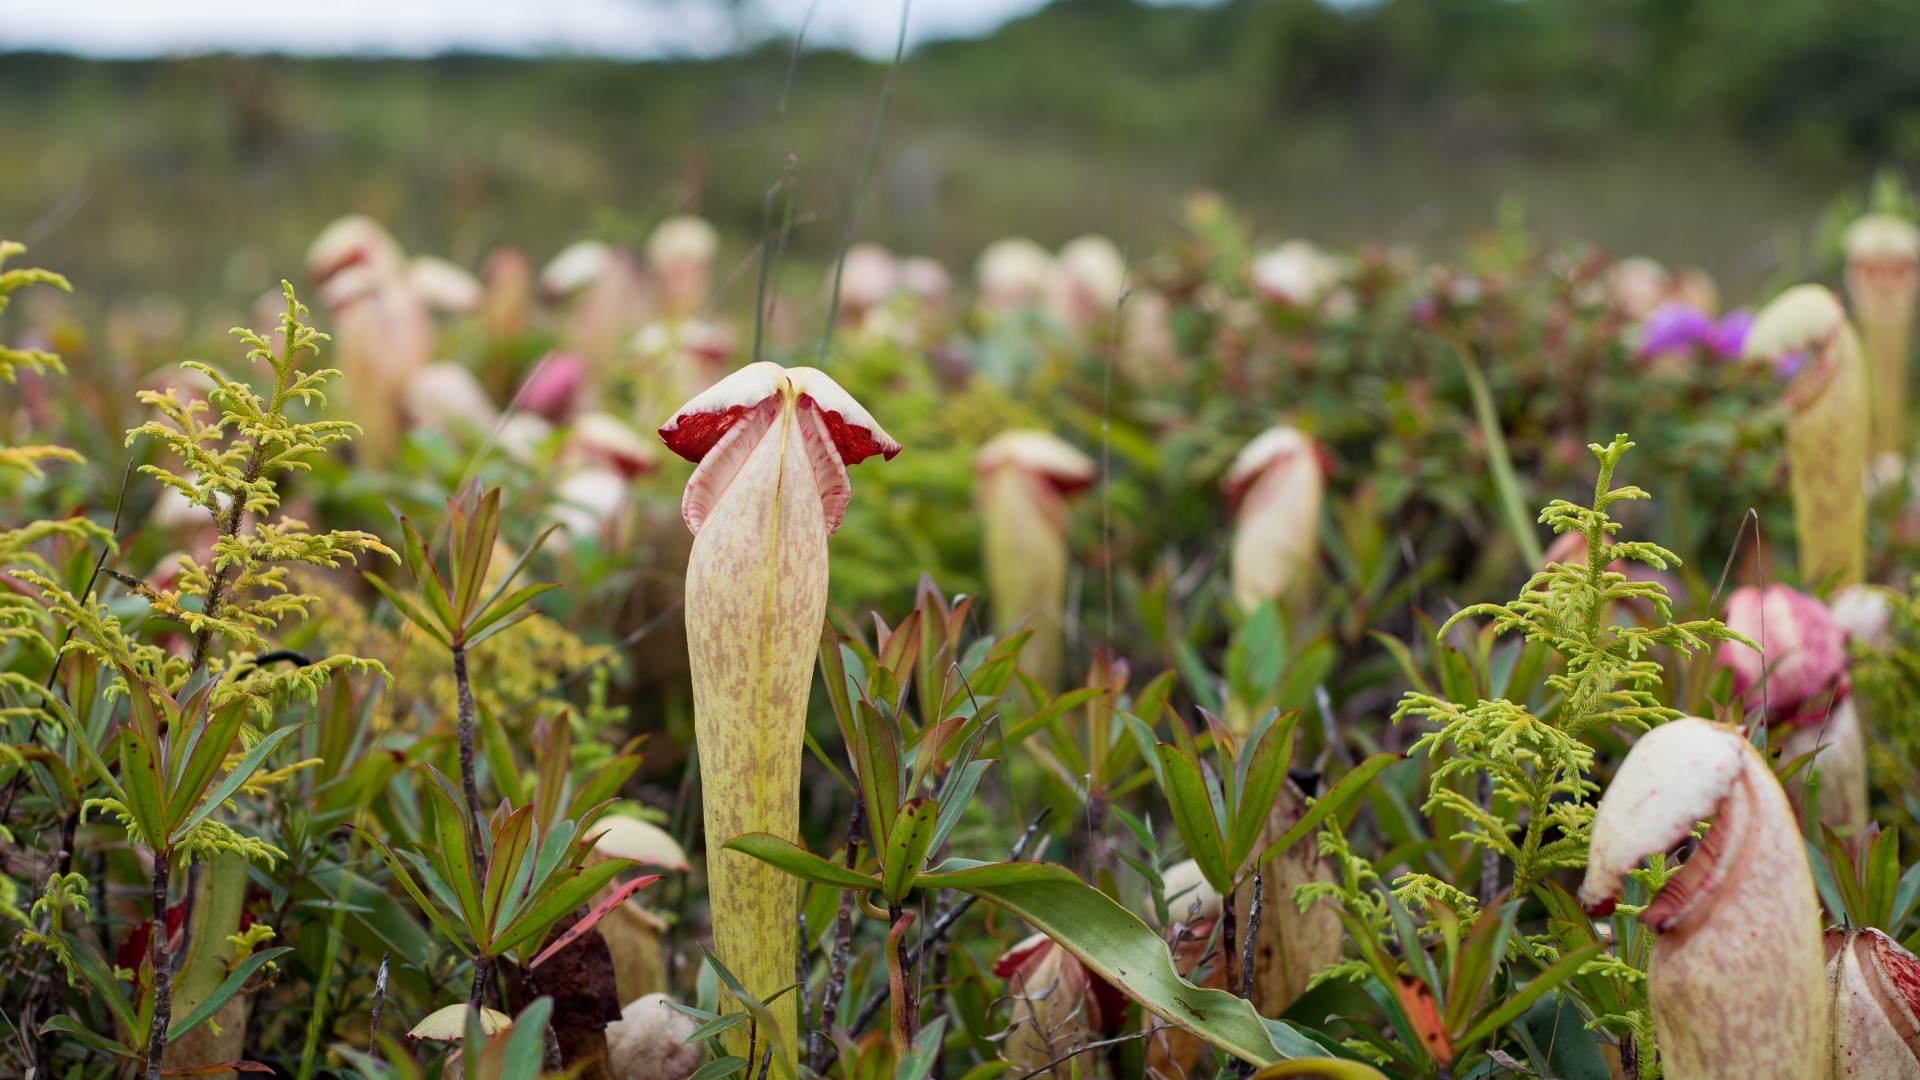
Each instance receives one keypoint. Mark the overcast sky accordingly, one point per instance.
(625, 28)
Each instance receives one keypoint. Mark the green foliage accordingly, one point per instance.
(1538, 764)
(244, 594)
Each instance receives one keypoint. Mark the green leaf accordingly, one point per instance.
(876, 757)
(1474, 965)
(527, 1045)
(719, 1025)
(414, 615)
(224, 993)
(1518, 1003)
(1193, 815)
(558, 899)
(1883, 878)
(924, 1052)
(833, 672)
(769, 1027)
(499, 751)
(722, 1066)
(427, 907)
(1264, 768)
(453, 854)
(509, 868)
(94, 969)
(140, 768)
(1050, 712)
(1336, 799)
(800, 862)
(194, 763)
(907, 845)
(955, 797)
(65, 1025)
(240, 775)
(1114, 944)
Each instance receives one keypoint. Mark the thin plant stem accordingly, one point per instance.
(158, 950)
(906, 1006)
(379, 1003)
(866, 175)
(1227, 936)
(820, 1040)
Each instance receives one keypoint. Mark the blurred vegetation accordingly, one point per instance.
(1694, 131)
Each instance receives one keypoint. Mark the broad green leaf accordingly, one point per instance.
(907, 845)
(224, 993)
(1113, 943)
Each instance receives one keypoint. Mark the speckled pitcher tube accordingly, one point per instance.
(772, 445)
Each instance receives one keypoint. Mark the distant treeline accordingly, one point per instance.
(1695, 130)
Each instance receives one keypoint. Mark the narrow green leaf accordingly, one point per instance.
(209, 751)
(1264, 767)
(954, 799)
(521, 597)
(1518, 1003)
(240, 775)
(800, 862)
(93, 967)
(1883, 878)
(66, 1025)
(559, 899)
(1474, 965)
(769, 1026)
(224, 993)
(414, 615)
(427, 907)
(1336, 799)
(1193, 815)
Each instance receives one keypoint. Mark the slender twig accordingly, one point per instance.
(379, 1003)
(1253, 931)
(939, 929)
(819, 1040)
(1078, 1050)
(866, 175)
(1226, 934)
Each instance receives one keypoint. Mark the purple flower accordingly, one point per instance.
(1788, 365)
(1728, 339)
(1675, 328)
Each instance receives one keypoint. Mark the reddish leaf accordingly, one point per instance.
(1423, 1012)
(599, 911)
